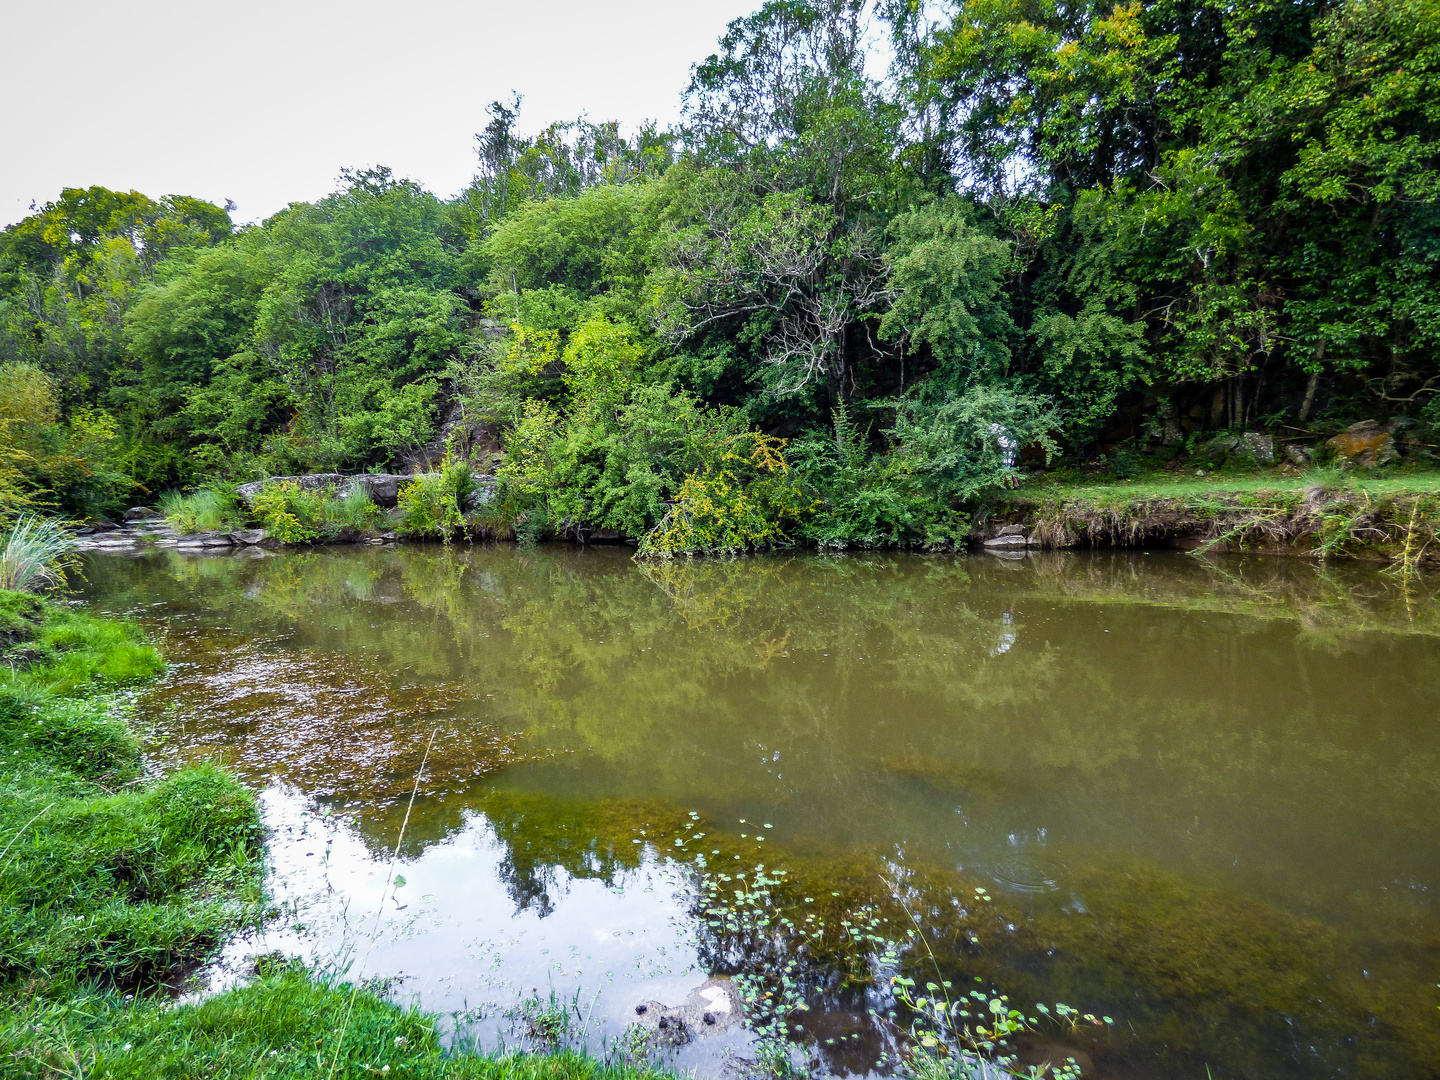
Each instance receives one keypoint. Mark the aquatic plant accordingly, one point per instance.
(35, 552)
(960, 1035)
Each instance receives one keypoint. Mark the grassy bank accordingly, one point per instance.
(1325, 513)
(114, 883)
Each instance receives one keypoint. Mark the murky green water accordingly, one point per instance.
(1204, 796)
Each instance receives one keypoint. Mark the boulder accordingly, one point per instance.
(1010, 530)
(1364, 445)
(247, 493)
(137, 513)
(1009, 540)
(248, 537)
(483, 493)
(206, 539)
(709, 1009)
(1299, 455)
(1259, 446)
(1217, 449)
(383, 488)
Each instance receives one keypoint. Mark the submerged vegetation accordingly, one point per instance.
(114, 884)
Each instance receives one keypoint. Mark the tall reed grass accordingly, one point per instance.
(35, 552)
(206, 510)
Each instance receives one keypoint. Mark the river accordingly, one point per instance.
(1199, 797)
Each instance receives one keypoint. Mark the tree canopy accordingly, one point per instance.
(1072, 226)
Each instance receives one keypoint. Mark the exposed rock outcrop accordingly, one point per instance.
(384, 488)
(1364, 445)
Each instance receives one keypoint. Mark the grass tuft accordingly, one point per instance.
(35, 552)
(206, 510)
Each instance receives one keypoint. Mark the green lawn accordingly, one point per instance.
(1190, 486)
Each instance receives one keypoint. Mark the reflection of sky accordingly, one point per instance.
(453, 939)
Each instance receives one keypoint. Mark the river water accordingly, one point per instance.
(1200, 797)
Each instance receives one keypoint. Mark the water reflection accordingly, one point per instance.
(1203, 794)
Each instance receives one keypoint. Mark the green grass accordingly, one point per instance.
(206, 510)
(281, 1025)
(111, 884)
(104, 879)
(1189, 486)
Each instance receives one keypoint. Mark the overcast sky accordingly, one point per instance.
(264, 101)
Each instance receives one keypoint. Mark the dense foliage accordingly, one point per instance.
(1078, 229)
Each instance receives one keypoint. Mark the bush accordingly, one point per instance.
(433, 504)
(861, 500)
(289, 513)
(742, 499)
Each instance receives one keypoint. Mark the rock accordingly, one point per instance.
(205, 540)
(1259, 446)
(1165, 428)
(135, 513)
(247, 493)
(1298, 455)
(103, 525)
(1217, 449)
(383, 488)
(709, 1009)
(1364, 445)
(482, 494)
(248, 536)
(1010, 530)
(1008, 540)
(388, 538)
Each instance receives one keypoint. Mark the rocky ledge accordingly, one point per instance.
(143, 527)
(383, 488)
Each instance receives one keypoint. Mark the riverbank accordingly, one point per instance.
(1325, 514)
(1392, 518)
(115, 883)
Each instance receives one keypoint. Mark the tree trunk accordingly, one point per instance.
(1312, 384)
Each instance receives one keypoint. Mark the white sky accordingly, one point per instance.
(264, 101)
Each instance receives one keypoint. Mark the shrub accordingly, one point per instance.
(433, 504)
(289, 513)
(863, 500)
(742, 500)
